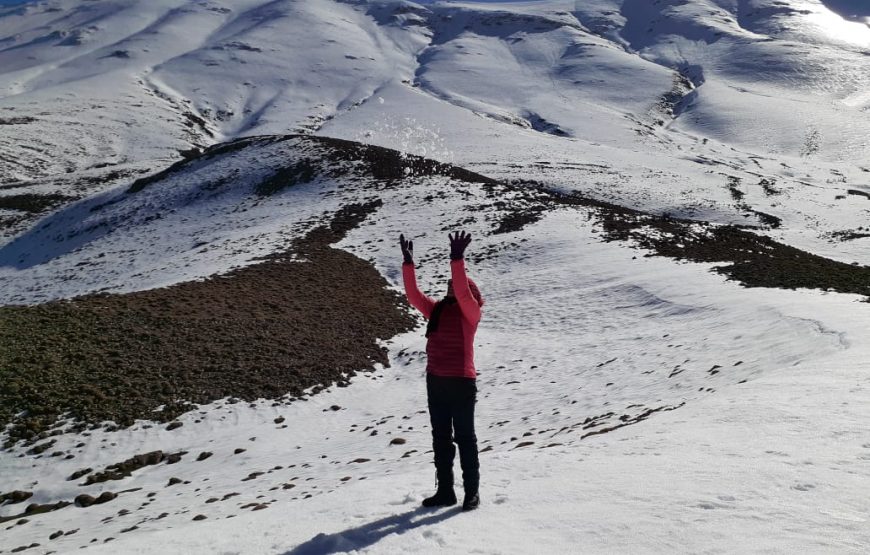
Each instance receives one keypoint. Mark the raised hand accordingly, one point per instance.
(407, 249)
(458, 243)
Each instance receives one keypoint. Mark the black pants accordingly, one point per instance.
(451, 410)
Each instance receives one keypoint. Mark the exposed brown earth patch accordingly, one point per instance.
(751, 259)
(309, 316)
(379, 163)
(32, 203)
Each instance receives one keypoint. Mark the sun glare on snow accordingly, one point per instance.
(837, 28)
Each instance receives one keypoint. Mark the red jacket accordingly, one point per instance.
(450, 349)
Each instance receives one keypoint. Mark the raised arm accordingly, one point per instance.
(461, 289)
(416, 297)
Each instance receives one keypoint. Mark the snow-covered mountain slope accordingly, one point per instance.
(690, 108)
(628, 402)
(593, 357)
(201, 217)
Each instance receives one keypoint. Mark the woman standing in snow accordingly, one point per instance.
(451, 380)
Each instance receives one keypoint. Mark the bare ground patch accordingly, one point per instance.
(33, 203)
(752, 260)
(306, 317)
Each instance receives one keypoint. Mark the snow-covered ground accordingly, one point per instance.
(765, 452)
(735, 418)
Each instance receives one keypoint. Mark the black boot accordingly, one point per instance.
(444, 496)
(471, 502)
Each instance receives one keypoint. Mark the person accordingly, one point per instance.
(451, 379)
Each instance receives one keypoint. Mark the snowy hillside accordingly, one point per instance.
(200, 204)
(711, 110)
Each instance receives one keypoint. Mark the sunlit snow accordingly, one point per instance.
(725, 111)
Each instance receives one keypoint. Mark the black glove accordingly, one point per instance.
(458, 243)
(407, 249)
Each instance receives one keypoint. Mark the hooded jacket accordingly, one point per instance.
(450, 349)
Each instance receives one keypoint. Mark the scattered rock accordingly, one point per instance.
(200, 517)
(56, 535)
(175, 457)
(204, 455)
(173, 481)
(123, 469)
(174, 425)
(239, 450)
(397, 441)
(39, 449)
(79, 473)
(105, 497)
(84, 500)
(18, 120)
(14, 497)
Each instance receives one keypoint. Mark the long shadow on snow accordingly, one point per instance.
(369, 534)
(853, 10)
(52, 237)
